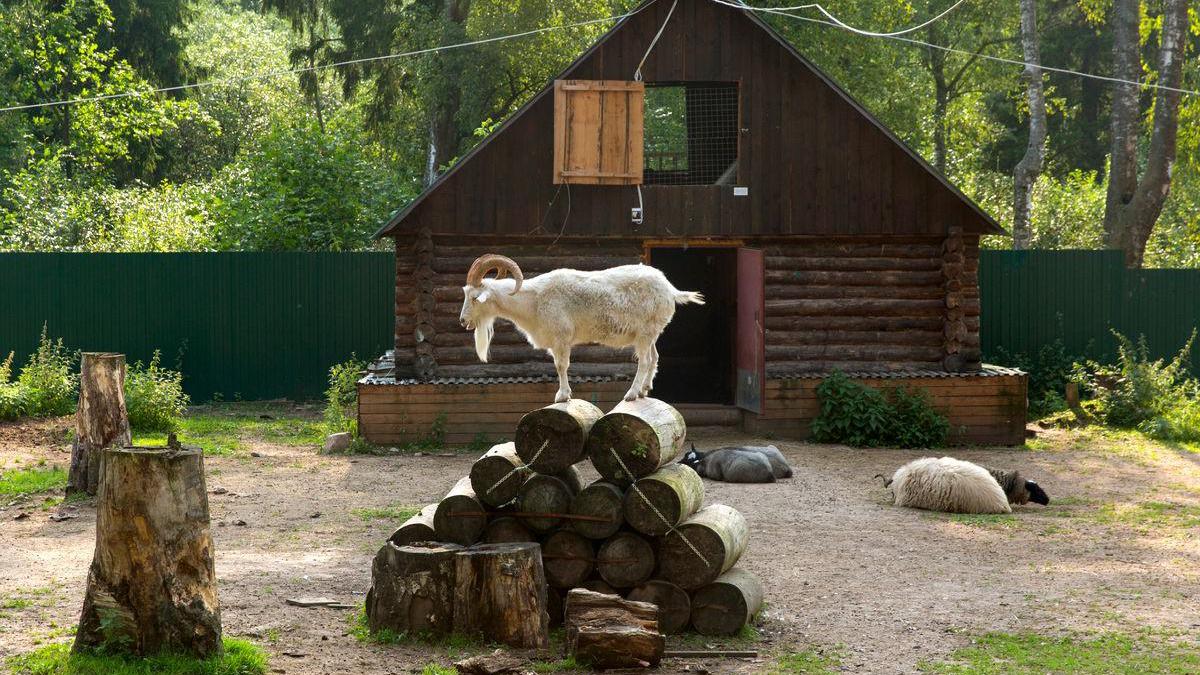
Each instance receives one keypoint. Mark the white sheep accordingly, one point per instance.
(948, 484)
(626, 306)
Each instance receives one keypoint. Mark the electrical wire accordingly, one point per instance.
(293, 71)
(840, 24)
(637, 74)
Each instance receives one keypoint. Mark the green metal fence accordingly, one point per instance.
(244, 325)
(267, 325)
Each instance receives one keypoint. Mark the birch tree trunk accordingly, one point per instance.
(1030, 166)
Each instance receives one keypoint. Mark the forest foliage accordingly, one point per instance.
(249, 156)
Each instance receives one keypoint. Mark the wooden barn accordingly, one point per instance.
(742, 171)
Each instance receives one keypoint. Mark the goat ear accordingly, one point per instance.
(483, 297)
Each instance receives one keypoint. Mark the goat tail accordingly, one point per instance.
(686, 297)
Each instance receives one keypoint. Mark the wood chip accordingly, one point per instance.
(312, 602)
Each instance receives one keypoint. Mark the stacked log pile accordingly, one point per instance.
(640, 531)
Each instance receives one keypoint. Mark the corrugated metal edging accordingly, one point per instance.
(241, 325)
(1032, 299)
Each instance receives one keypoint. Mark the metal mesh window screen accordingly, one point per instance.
(691, 134)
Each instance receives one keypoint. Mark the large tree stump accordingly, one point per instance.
(703, 547)
(417, 528)
(674, 605)
(662, 500)
(412, 588)
(601, 504)
(605, 631)
(507, 529)
(549, 497)
(568, 558)
(645, 434)
(556, 435)
(460, 517)
(100, 418)
(626, 559)
(497, 476)
(151, 587)
(727, 604)
(501, 594)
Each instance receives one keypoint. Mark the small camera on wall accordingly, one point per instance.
(636, 215)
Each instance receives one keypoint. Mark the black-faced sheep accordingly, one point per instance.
(954, 486)
(746, 464)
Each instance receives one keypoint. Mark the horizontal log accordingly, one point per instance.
(795, 291)
(830, 365)
(853, 337)
(838, 278)
(852, 250)
(855, 307)
(876, 352)
(524, 353)
(528, 369)
(852, 323)
(540, 263)
(805, 262)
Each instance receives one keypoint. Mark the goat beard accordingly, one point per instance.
(484, 330)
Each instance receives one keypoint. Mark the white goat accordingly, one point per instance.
(626, 306)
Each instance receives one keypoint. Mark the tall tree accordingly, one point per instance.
(310, 20)
(148, 34)
(1030, 165)
(1133, 204)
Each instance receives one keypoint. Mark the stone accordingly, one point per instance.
(338, 442)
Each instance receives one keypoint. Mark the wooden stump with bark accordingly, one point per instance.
(662, 500)
(556, 435)
(625, 559)
(568, 557)
(727, 604)
(100, 418)
(497, 476)
(460, 517)
(417, 528)
(412, 588)
(606, 631)
(602, 505)
(645, 434)
(674, 605)
(703, 547)
(501, 594)
(151, 586)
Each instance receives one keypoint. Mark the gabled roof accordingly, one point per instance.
(584, 67)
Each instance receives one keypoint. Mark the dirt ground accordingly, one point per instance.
(886, 588)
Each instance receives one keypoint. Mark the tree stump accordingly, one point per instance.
(568, 558)
(417, 528)
(100, 418)
(645, 433)
(662, 500)
(727, 604)
(412, 588)
(501, 594)
(674, 605)
(601, 500)
(506, 529)
(460, 517)
(497, 476)
(550, 496)
(605, 631)
(556, 435)
(151, 587)
(718, 536)
(626, 559)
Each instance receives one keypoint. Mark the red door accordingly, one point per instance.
(750, 359)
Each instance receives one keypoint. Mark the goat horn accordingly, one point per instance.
(492, 261)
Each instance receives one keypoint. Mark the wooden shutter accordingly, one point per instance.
(598, 132)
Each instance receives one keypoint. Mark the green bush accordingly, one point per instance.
(1137, 389)
(862, 416)
(1050, 368)
(12, 404)
(342, 395)
(154, 396)
(46, 387)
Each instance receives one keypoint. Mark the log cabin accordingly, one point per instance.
(821, 241)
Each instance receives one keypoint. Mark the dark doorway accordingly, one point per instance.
(695, 362)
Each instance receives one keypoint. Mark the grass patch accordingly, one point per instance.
(558, 666)
(397, 512)
(21, 482)
(225, 428)
(1149, 515)
(1108, 653)
(435, 669)
(985, 520)
(239, 658)
(817, 662)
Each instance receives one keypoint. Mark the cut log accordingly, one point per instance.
(598, 586)
(549, 495)
(717, 535)
(606, 631)
(556, 435)
(100, 418)
(602, 499)
(674, 605)
(568, 558)
(417, 528)
(460, 517)
(645, 434)
(506, 529)
(626, 559)
(501, 594)
(662, 500)
(497, 476)
(412, 588)
(496, 663)
(727, 604)
(151, 586)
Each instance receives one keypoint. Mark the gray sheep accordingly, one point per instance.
(746, 464)
(954, 486)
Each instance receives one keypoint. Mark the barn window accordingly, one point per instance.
(598, 132)
(691, 133)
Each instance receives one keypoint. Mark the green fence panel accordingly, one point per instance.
(241, 325)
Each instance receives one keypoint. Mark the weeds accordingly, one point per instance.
(858, 415)
(45, 386)
(1107, 653)
(154, 396)
(22, 482)
(239, 657)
